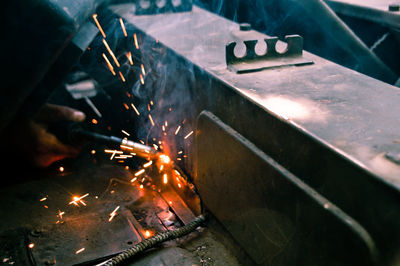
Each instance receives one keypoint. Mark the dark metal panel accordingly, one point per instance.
(272, 214)
(383, 12)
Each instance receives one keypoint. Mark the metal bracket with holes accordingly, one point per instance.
(252, 62)
(151, 7)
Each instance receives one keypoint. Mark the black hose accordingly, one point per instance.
(155, 240)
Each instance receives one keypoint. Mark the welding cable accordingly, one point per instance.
(155, 240)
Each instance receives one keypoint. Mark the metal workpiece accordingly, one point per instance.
(329, 126)
(273, 214)
(149, 7)
(251, 61)
(385, 12)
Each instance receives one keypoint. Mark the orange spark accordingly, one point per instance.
(141, 186)
(134, 108)
(143, 71)
(148, 164)
(161, 167)
(165, 178)
(151, 102)
(94, 121)
(98, 25)
(113, 153)
(133, 179)
(123, 27)
(177, 130)
(77, 199)
(147, 234)
(111, 52)
(113, 214)
(79, 251)
(93, 151)
(188, 135)
(138, 173)
(43, 199)
(129, 56)
(136, 41)
(122, 77)
(163, 128)
(61, 169)
(109, 64)
(60, 214)
(31, 245)
(123, 131)
(179, 185)
(141, 79)
(165, 158)
(151, 120)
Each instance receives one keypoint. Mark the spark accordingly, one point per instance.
(165, 178)
(31, 245)
(129, 56)
(113, 214)
(136, 41)
(180, 152)
(177, 172)
(94, 121)
(109, 64)
(141, 186)
(163, 128)
(79, 251)
(122, 77)
(188, 135)
(77, 199)
(123, 27)
(143, 71)
(61, 169)
(148, 164)
(133, 179)
(113, 153)
(151, 120)
(166, 123)
(126, 133)
(151, 102)
(60, 214)
(177, 130)
(147, 233)
(134, 108)
(138, 173)
(127, 148)
(93, 151)
(46, 206)
(148, 107)
(161, 167)
(141, 79)
(111, 52)
(141, 141)
(165, 158)
(179, 185)
(98, 25)
(43, 199)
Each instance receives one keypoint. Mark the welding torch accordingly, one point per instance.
(72, 132)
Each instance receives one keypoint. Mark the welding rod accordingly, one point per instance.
(139, 149)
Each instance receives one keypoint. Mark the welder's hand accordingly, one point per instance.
(39, 146)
